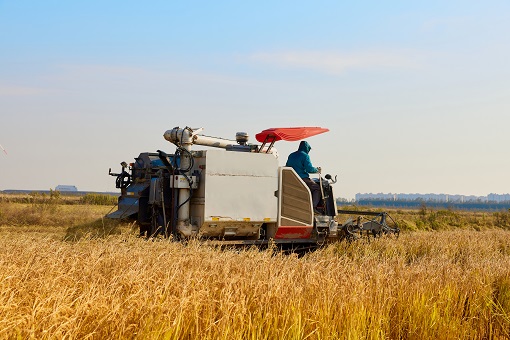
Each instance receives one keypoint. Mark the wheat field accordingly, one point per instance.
(104, 282)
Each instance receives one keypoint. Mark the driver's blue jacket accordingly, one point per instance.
(300, 161)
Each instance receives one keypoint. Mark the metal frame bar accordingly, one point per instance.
(268, 137)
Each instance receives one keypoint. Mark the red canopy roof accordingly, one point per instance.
(290, 134)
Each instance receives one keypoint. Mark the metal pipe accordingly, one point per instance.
(191, 136)
(212, 141)
(366, 213)
(183, 222)
(175, 136)
(184, 139)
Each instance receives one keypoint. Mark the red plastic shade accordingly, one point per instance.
(289, 134)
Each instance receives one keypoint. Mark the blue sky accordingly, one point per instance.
(416, 94)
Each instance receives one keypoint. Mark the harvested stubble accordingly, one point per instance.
(444, 285)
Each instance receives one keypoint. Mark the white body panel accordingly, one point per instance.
(236, 193)
(241, 185)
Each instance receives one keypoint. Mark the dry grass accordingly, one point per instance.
(444, 285)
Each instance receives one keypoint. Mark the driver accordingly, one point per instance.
(300, 161)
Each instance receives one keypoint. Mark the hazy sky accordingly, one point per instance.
(416, 94)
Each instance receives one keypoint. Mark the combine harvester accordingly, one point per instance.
(234, 193)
